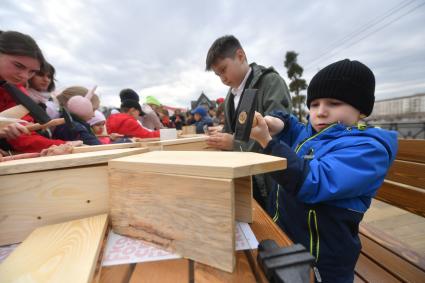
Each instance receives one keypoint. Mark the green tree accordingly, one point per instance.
(297, 84)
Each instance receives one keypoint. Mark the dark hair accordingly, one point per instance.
(19, 44)
(128, 93)
(223, 47)
(48, 69)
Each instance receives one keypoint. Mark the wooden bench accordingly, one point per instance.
(383, 258)
(184, 270)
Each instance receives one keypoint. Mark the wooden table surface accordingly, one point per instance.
(184, 270)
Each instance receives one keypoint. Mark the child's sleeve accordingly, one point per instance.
(347, 172)
(86, 136)
(32, 143)
(134, 129)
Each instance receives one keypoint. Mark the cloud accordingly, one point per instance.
(159, 47)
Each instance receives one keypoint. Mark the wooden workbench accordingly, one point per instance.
(184, 270)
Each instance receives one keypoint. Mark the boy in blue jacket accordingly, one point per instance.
(335, 166)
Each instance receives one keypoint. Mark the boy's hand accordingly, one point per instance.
(260, 132)
(219, 140)
(274, 124)
(214, 130)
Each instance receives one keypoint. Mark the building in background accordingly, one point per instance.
(403, 114)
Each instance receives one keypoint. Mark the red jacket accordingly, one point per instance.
(125, 124)
(25, 143)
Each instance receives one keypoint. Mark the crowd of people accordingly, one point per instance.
(335, 163)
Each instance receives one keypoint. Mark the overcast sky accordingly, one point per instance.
(159, 47)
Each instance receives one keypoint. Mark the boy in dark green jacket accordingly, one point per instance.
(228, 60)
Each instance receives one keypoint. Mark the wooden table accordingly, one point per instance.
(184, 270)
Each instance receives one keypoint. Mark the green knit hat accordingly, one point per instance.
(152, 100)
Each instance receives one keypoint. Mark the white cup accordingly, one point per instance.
(167, 134)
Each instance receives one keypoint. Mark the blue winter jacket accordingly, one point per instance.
(77, 129)
(330, 179)
(206, 120)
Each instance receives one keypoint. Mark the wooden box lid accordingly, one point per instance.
(65, 161)
(217, 164)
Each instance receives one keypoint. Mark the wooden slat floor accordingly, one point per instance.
(404, 226)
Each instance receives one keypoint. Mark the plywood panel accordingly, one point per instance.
(216, 164)
(31, 200)
(65, 161)
(193, 217)
(243, 199)
(66, 252)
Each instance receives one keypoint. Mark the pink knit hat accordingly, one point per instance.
(81, 106)
(97, 118)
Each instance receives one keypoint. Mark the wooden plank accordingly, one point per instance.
(193, 217)
(243, 199)
(117, 273)
(65, 161)
(193, 146)
(164, 271)
(217, 164)
(403, 196)
(395, 265)
(91, 148)
(409, 173)
(242, 273)
(65, 252)
(371, 272)
(411, 150)
(392, 245)
(31, 200)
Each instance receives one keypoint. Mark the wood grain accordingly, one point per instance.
(368, 270)
(164, 271)
(409, 173)
(193, 217)
(31, 200)
(403, 196)
(242, 273)
(65, 161)
(216, 164)
(411, 150)
(390, 248)
(92, 148)
(243, 199)
(65, 252)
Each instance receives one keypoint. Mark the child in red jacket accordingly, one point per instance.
(20, 59)
(126, 123)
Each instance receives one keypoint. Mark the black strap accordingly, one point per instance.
(35, 110)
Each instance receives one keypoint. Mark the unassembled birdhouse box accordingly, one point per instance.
(186, 201)
(47, 190)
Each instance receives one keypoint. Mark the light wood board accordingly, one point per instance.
(31, 200)
(217, 164)
(65, 161)
(65, 252)
(91, 148)
(193, 217)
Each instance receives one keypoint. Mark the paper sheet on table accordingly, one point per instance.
(124, 250)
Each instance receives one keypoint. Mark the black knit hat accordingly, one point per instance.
(345, 80)
(128, 93)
